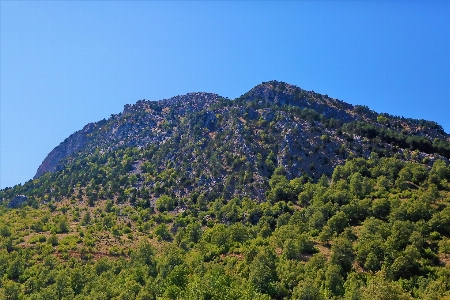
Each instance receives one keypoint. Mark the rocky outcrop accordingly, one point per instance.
(157, 120)
(17, 201)
(74, 143)
(280, 93)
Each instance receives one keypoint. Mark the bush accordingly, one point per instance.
(165, 203)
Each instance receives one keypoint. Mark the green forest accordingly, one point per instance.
(378, 228)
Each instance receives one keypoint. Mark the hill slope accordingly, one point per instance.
(279, 194)
(222, 147)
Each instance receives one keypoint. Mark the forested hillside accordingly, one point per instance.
(279, 194)
(378, 228)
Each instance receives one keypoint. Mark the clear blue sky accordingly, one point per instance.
(64, 64)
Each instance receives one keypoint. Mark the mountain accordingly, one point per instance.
(221, 148)
(281, 193)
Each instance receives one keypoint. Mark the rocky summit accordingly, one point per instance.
(219, 147)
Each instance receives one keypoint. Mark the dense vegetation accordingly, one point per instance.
(399, 139)
(379, 228)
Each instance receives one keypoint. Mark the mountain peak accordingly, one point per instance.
(206, 140)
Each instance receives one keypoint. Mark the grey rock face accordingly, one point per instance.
(72, 144)
(124, 131)
(217, 138)
(17, 201)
